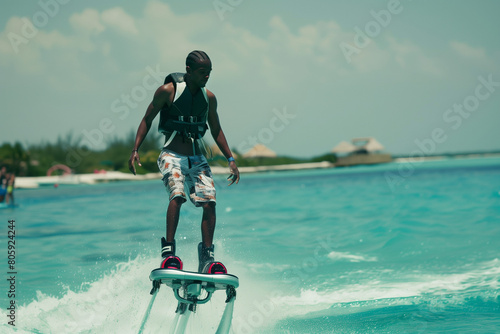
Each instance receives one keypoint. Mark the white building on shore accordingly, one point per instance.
(360, 151)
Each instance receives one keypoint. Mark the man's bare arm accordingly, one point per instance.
(220, 138)
(161, 98)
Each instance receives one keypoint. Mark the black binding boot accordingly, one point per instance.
(170, 261)
(207, 263)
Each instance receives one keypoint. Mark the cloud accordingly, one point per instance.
(118, 19)
(160, 33)
(318, 47)
(104, 53)
(87, 22)
(473, 57)
(17, 50)
(467, 51)
(92, 22)
(315, 43)
(410, 56)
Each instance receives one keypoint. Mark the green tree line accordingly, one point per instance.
(36, 159)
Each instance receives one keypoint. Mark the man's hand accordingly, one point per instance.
(131, 162)
(235, 173)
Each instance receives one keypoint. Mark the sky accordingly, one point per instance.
(422, 77)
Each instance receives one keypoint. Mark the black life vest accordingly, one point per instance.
(187, 114)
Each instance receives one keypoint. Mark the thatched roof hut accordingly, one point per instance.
(359, 145)
(361, 151)
(344, 147)
(260, 151)
(370, 145)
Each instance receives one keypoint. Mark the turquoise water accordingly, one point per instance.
(395, 248)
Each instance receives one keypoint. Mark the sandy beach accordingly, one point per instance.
(113, 176)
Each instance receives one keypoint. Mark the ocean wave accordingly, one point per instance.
(481, 282)
(116, 302)
(344, 256)
(265, 267)
(111, 304)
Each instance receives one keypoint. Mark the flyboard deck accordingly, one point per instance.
(191, 289)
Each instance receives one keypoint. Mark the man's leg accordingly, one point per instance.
(171, 261)
(173, 212)
(207, 264)
(208, 224)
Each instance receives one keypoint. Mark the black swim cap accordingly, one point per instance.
(195, 58)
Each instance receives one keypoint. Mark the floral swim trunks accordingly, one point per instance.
(191, 173)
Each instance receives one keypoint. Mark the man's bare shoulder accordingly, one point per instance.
(166, 89)
(210, 95)
(164, 95)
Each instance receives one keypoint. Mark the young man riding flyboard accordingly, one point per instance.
(186, 107)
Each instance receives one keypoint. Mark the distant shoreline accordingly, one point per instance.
(114, 176)
(445, 157)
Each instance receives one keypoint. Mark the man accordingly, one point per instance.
(3, 183)
(185, 108)
(10, 180)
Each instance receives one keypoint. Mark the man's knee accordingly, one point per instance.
(208, 206)
(177, 201)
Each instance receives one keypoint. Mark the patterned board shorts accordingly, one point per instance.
(183, 173)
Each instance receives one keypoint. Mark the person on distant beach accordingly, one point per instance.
(185, 108)
(10, 188)
(3, 183)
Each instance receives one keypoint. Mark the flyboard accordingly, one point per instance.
(192, 289)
